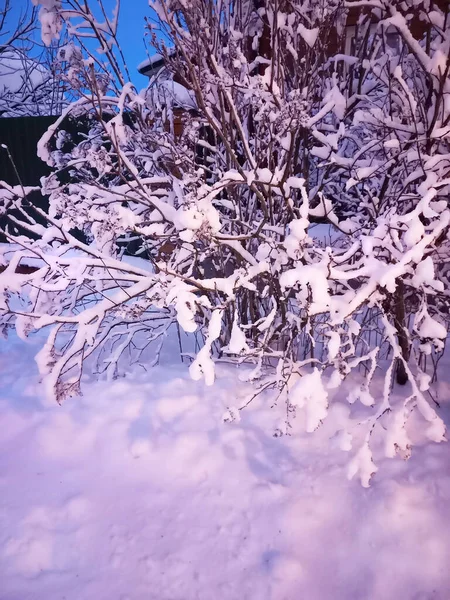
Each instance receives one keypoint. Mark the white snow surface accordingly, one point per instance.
(139, 490)
(170, 92)
(20, 77)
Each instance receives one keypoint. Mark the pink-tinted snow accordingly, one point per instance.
(138, 490)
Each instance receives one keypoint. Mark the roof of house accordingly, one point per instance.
(170, 93)
(164, 89)
(152, 65)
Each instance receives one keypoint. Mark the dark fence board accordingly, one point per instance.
(21, 135)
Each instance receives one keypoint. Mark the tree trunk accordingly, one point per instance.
(402, 332)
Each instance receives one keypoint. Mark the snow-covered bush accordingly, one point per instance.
(31, 82)
(294, 123)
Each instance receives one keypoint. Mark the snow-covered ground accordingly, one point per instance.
(138, 490)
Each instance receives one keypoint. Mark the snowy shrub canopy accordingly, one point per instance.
(292, 213)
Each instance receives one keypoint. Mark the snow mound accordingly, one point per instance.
(140, 490)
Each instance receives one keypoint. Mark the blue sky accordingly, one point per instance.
(131, 31)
